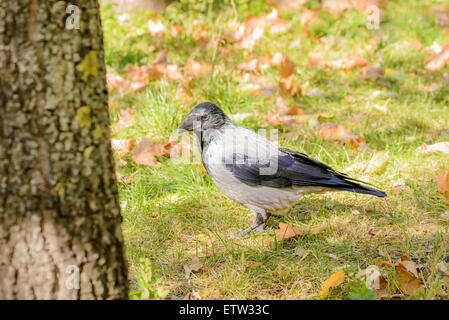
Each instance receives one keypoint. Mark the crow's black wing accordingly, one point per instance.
(294, 169)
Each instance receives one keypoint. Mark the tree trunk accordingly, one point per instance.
(60, 234)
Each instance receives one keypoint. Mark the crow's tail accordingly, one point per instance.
(357, 188)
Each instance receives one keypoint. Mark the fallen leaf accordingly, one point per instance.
(382, 108)
(443, 267)
(165, 70)
(295, 111)
(145, 153)
(333, 131)
(438, 61)
(194, 295)
(437, 147)
(348, 62)
(333, 281)
(122, 144)
(443, 184)
(115, 81)
(372, 72)
(286, 67)
(273, 118)
(315, 58)
(407, 275)
(125, 118)
(286, 231)
(288, 86)
(195, 266)
(198, 69)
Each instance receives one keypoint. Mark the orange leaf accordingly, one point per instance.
(286, 67)
(198, 69)
(333, 131)
(315, 58)
(125, 118)
(443, 184)
(295, 111)
(334, 280)
(286, 231)
(408, 276)
(122, 144)
(273, 118)
(438, 61)
(145, 153)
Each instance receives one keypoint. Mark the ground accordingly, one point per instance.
(175, 218)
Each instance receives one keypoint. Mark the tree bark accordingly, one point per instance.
(60, 233)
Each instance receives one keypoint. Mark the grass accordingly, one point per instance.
(175, 212)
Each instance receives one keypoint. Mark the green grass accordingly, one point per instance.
(175, 212)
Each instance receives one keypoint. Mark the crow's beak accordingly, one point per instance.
(186, 126)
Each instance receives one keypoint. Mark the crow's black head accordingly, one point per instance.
(205, 116)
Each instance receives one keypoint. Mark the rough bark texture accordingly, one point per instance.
(59, 210)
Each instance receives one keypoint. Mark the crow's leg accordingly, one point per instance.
(259, 223)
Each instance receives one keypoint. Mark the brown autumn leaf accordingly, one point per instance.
(336, 132)
(174, 149)
(439, 60)
(333, 281)
(315, 58)
(372, 72)
(125, 118)
(348, 62)
(270, 22)
(286, 231)
(295, 110)
(194, 266)
(122, 144)
(273, 118)
(443, 184)
(165, 71)
(333, 131)
(407, 275)
(286, 67)
(289, 86)
(197, 69)
(115, 81)
(355, 141)
(145, 153)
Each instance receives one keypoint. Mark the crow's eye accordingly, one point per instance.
(205, 117)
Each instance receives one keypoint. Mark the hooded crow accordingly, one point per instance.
(256, 172)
